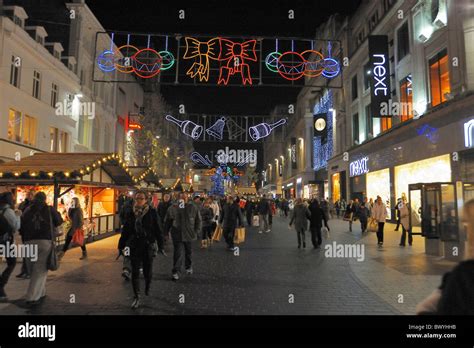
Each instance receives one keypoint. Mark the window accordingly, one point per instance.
(403, 41)
(367, 74)
(21, 129)
(57, 54)
(40, 39)
(18, 21)
(354, 87)
(63, 141)
(107, 137)
(36, 84)
(373, 20)
(369, 123)
(355, 128)
(406, 99)
(53, 139)
(54, 95)
(14, 125)
(385, 123)
(15, 71)
(439, 78)
(95, 135)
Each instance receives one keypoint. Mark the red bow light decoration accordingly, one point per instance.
(236, 53)
(204, 51)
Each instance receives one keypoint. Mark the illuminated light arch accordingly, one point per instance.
(291, 68)
(143, 68)
(313, 66)
(123, 54)
(236, 54)
(203, 51)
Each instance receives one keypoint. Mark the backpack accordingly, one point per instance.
(6, 230)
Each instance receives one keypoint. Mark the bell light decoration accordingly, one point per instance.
(264, 129)
(217, 129)
(187, 127)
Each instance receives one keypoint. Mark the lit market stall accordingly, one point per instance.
(148, 181)
(95, 178)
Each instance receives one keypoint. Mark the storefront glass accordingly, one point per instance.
(436, 169)
(378, 184)
(336, 187)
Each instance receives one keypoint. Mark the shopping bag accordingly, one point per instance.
(373, 226)
(325, 232)
(217, 233)
(78, 237)
(239, 235)
(256, 221)
(348, 216)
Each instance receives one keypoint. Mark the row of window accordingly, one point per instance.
(15, 77)
(23, 128)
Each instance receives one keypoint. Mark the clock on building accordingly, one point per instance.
(320, 124)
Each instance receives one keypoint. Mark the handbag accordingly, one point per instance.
(373, 226)
(256, 221)
(217, 234)
(239, 235)
(52, 263)
(348, 216)
(325, 232)
(78, 237)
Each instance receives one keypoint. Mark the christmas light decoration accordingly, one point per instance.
(197, 158)
(263, 129)
(217, 129)
(331, 66)
(187, 127)
(167, 57)
(236, 54)
(234, 129)
(323, 151)
(203, 51)
(106, 60)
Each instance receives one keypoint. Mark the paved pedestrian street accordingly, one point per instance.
(269, 276)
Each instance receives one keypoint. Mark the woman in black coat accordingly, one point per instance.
(76, 218)
(207, 216)
(316, 223)
(140, 232)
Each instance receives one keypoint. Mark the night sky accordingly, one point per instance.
(224, 17)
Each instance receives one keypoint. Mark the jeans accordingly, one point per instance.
(264, 222)
(11, 263)
(141, 256)
(301, 237)
(39, 269)
(182, 250)
(228, 233)
(207, 232)
(363, 225)
(316, 237)
(380, 233)
(404, 236)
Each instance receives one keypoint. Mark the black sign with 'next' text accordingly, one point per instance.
(379, 71)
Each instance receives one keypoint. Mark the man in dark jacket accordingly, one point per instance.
(184, 220)
(300, 217)
(249, 208)
(25, 268)
(162, 208)
(318, 216)
(230, 219)
(264, 210)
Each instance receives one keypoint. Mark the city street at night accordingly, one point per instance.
(271, 171)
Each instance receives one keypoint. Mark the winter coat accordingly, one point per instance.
(163, 208)
(184, 223)
(231, 216)
(138, 235)
(36, 222)
(300, 216)
(77, 220)
(216, 209)
(317, 216)
(379, 212)
(263, 207)
(11, 219)
(207, 216)
(363, 213)
(457, 297)
(404, 214)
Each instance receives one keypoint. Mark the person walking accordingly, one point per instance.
(300, 216)
(76, 217)
(139, 234)
(230, 219)
(379, 213)
(207, 216)
(25, 267)
(316, 223)
(9, 224)
(184, 221)
(249, 208)
(397, 214)
(325, 207)
(264, 210)
(162, 208)
(337, 206)
(363, 214)
(404, 212)
(126, 210)
(38, 222)
(349, 214)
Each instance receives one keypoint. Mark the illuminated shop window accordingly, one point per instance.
(439, 78)
(385, 123)
(406, 99)
(21, 128)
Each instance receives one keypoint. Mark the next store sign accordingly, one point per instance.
(359, 167)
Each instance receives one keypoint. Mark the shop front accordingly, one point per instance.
(94, 178)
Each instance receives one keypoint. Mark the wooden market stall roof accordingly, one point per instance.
(68, 167)
(146, 174)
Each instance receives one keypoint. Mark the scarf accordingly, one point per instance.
(140, 212)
